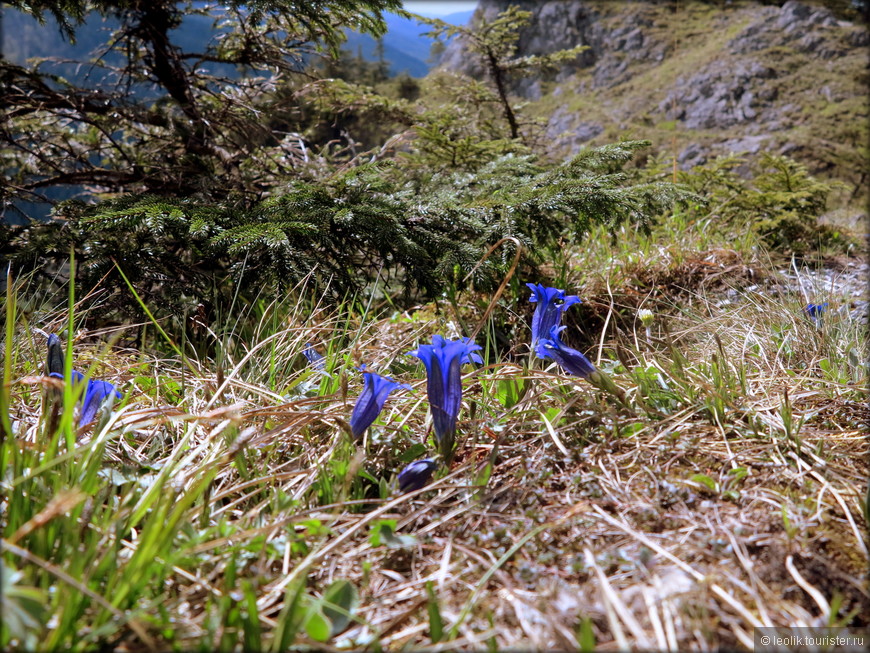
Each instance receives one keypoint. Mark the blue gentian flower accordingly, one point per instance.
(314, 357)
(815, 310)
(552, 302)
(96, 392)
(416, 475)
(55, 362)
(472, 356)
(376, 389)
(77, 377)
(442, 359)
(574, 362)
(570, 360)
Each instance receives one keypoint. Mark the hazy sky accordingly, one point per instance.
(438, 7)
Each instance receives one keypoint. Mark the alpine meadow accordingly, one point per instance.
(329, 326)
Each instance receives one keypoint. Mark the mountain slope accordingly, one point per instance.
(700, 81)
(405, 47)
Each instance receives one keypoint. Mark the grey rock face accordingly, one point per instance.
(736, 93)
(559, 26)
(717, 96)
(752, 38)
(564, 130)
(747, 144)
(692, 155)
(554, 26)
(563, 24)
(858, 38)
(795, 24)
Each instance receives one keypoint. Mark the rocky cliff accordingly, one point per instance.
(699, 79)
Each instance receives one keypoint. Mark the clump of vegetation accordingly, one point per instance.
(468, 176)
(365, 223)
(778, 199)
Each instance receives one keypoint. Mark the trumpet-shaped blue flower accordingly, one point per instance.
(570, 360)
(77, 377)
(551, 303)
(416, 475)
(97, 392)
(314, 357)
(54, 364)
(472, 356)
(815, 310)
(442, 359)
(376, 389)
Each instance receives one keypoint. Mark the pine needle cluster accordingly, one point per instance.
(366, 222)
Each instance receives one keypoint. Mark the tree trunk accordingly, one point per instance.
(497, 76)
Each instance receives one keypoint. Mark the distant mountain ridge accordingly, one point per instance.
(405, 48)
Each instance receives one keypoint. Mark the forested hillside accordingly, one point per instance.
(560, 346)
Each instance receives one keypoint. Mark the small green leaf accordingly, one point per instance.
(630, 429)
(482, 476)
(383, 532)
(786, 522)
(551, 414)
(23, 607)
(436, 624)
(251, 619)
(585, 636)
(510, 391)
(706, 481)
(340, 601)
(381, 529)
(317, 626)
(738, 473)
(414, 452)
(363, 473)
(291, 617)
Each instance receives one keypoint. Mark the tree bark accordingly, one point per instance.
(498, 78)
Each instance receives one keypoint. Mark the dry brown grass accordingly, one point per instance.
(728, 496)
